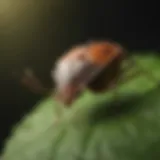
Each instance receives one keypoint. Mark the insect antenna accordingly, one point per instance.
(28, 79)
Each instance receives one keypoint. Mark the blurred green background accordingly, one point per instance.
(33, 33)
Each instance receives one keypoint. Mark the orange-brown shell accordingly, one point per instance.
(102, 53)
(98, 54)
(111, 56)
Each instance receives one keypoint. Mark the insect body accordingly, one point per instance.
(94, 65)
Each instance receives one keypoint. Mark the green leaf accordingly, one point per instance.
(97, 126)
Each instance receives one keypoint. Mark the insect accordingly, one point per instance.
(95, 65)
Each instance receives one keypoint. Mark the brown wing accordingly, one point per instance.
(103, 53)
(108, 77)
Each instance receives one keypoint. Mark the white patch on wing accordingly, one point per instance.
(65, 71)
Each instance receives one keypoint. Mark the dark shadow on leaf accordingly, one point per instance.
(123, 106)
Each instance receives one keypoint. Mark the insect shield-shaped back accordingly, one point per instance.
(110, 55)
(83, 66)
